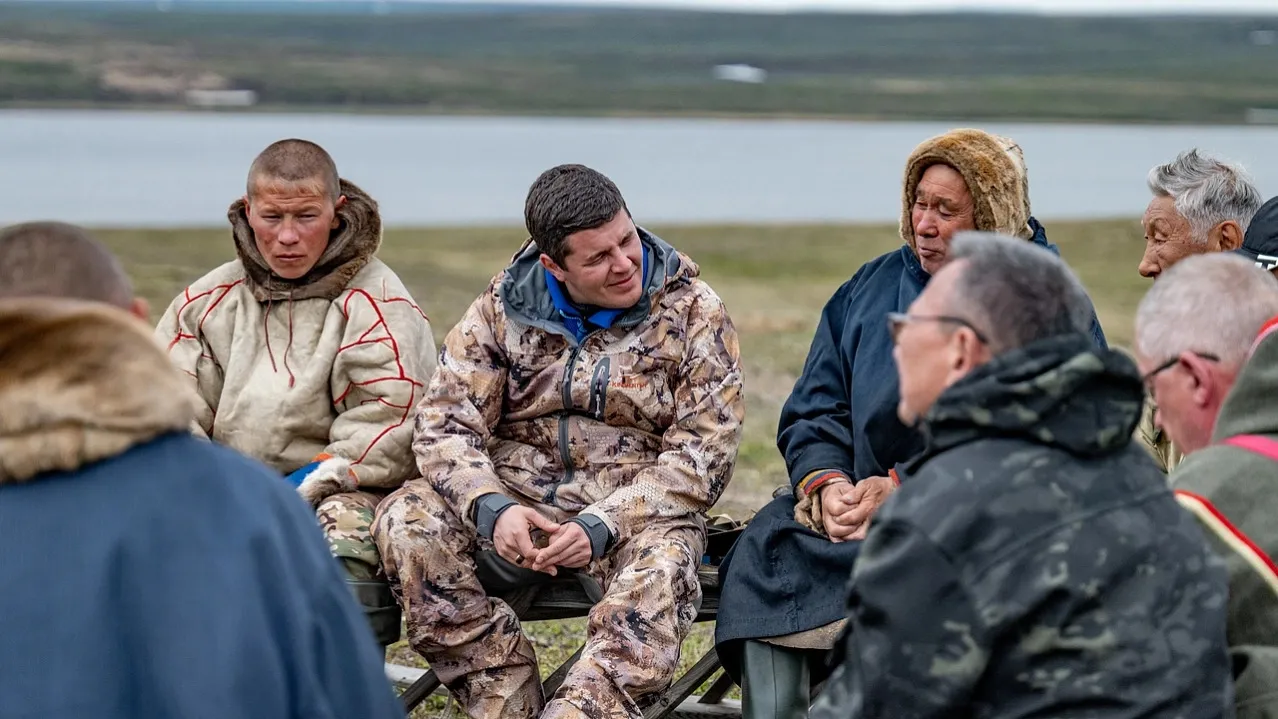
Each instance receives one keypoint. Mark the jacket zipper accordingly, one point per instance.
(599, 388)
(566, 389)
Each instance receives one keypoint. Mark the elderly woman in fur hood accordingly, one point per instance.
(783, 582)
(307, 352)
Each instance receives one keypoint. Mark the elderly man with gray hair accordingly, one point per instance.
(1034, 560)
(1200, 204)
(1207, 344)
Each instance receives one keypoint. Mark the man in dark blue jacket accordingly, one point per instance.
(1034, 562)
(783, 582)
(147, 573)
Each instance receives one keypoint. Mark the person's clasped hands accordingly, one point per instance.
(567, 546)
(846, 508)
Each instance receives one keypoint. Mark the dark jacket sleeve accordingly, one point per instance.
(1098, 333)
(815, 430)
(915, 645)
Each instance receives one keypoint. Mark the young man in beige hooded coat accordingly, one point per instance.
(308, 353)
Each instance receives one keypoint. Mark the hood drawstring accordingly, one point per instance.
(289, 346)
(266, 330)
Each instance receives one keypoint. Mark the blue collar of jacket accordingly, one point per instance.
(527, 299)
(578, 325)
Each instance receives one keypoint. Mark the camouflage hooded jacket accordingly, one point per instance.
(1034, 561)
(640, 421)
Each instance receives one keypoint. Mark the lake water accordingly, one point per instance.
(184, 169)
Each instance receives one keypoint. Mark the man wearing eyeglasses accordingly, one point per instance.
(1207, 344)
(1033, 561)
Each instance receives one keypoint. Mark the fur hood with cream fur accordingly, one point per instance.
(80, 382)
(358, 235)
(992, 166)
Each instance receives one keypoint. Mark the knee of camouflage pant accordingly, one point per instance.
(414, 521)
(347, 523)
(649, 607)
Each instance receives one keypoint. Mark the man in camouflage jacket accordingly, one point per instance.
(1034, 561)
(592, 394)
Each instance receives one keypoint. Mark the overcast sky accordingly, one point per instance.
(1051, 6)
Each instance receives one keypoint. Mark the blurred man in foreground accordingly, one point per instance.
(1207, 344)
(1200, 204)
(1033, 561)
(147, 573)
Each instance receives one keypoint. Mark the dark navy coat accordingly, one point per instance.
(780, 577)
(178, 579)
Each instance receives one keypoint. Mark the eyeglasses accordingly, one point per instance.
(1173, 362)
(897, 321)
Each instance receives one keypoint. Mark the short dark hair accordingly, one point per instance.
(295, 160)
(567, 199)
(1016, 292)
(56, 259)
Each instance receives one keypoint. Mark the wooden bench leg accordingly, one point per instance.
(700, 672)
(718, 690)
(417, 692)
(556, 679)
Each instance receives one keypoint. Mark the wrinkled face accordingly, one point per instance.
(1168, 237)
(291, 224)
(935, 346)
(1188, 391)
(942, 207)
(603, 266)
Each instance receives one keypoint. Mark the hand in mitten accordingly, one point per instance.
(323, 477)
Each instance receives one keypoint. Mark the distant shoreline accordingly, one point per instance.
(197, 55)
(517, 113)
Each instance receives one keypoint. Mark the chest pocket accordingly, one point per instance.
(625, 389)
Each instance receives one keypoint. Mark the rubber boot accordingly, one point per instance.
(774, 682)
(380, 608)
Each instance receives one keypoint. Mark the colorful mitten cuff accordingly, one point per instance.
(323, 477)
(818, 479)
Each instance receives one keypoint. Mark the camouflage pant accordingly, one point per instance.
(475, 644)
(346, 519)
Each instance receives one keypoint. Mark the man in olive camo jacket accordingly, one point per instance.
(1034, 561)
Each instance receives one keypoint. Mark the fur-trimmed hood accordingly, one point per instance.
(352, 244)
(994, 169)
(80, 382)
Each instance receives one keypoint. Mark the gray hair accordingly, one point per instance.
(1213, 303)
(1017, 292)
(1207, 191)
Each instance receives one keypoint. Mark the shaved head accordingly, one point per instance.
(295, 162)
(55, 259)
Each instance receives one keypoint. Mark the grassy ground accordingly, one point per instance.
(774, 279)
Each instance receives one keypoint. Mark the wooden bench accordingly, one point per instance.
(564, 598)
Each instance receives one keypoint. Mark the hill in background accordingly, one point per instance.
(489, 58)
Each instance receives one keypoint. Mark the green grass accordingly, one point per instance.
(774, 280)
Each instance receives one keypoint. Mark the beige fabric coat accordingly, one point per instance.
(332, 363)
